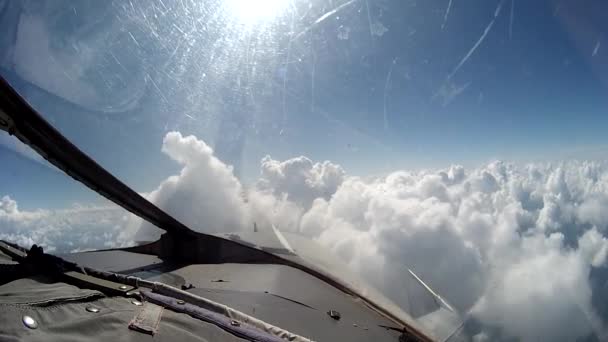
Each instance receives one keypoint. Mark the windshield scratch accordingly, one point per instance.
(447, 13)
(118, 62)
(511, 19)
(369, 20)
(479, 41)
(286, 70)
(157, 89)
(312, 76)
(164, 6)
(596, 49)
(135, 40)
(386, 88)
(322, 18)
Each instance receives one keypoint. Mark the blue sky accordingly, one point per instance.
(367, 87)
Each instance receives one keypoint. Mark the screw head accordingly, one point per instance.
(29, 322)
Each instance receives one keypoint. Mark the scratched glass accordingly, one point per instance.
(451, 149)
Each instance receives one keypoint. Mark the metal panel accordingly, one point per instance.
(114, 261)
(289, 298)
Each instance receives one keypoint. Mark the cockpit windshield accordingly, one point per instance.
(450, 145)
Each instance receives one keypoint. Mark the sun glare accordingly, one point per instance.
(255, 11)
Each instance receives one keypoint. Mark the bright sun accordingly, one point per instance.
(255, 11)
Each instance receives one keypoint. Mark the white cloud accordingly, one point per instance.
(8, 206)
(594, 247)
(540, 292)
(205, 196)
(511, 245)
(80, 227)
(593, 210)
(507, 243)
(300, 179)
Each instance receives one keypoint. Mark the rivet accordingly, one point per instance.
(123, 287)
(92, 309)
(180, 302)
(136, 302)
(355, 325)
(29, 322)
(235, 323)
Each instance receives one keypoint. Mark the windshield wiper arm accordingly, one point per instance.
(438, 299)
(22, 121)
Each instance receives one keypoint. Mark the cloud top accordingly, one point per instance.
(511, 246)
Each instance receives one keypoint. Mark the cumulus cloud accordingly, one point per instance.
(205, 196)
(510, 246)
(506, 244)
(301, 180)
(503, 243)
(8, 206)
(66, 230)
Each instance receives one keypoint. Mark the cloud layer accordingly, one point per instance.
(68, 230)
(511, 247)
